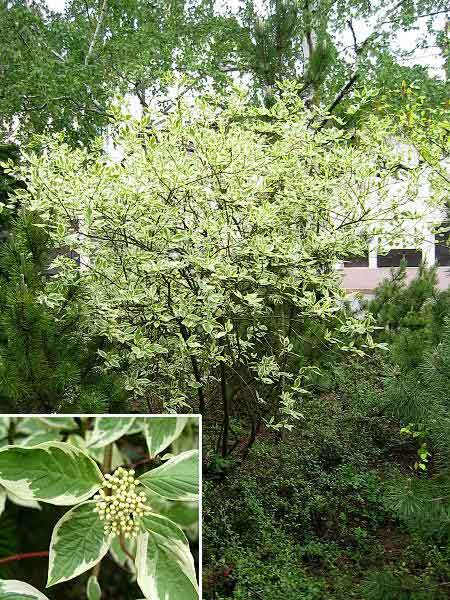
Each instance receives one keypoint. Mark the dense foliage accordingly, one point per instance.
(210, 244)
(63, 71)
(185, 260)
(354, 502)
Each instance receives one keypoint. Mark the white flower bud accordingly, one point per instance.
(118, 504)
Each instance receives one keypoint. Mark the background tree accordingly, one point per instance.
(334, 48)
(62, 71)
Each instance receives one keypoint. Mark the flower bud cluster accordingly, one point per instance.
(119, 505)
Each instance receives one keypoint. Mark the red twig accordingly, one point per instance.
(140, 462)
(15, 557)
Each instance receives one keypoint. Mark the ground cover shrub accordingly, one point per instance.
(322, 498)
(287, 500)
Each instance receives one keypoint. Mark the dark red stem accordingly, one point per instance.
(15, 557)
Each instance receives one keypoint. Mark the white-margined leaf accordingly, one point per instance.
(117, 459)
(11, 589)
(164, 563)
(109, 429)
(192, 532)
(22, 502)
(2, 499)
(39, 438)
(78, 543)
(4, 427)
(93, 590)
(176, 479)
(160, 432)
(54, 472)
(60, 423)
(30, 425)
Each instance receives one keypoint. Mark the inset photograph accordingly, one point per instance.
(100, 507)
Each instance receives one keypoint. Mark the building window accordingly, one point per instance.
(393, 258)
(441, 249)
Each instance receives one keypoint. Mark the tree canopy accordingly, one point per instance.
(63, 71)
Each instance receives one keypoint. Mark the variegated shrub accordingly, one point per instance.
(208, 240)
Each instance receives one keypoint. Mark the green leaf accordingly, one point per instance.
(93, 590)
(176, 479)
(109, 429)
(165, 567)
(188, 440)
(39, 438)
(54, 472)
(184, 514)
(78, 543)
(136, 427)
(11, 589)
(160, 432)
(4, 427)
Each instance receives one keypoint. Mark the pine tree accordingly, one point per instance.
(48, 361)
(8, 152)
(414, 320)
(410, 316)
(421, 397)
(279, 38)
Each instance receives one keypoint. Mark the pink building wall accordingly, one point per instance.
(365, 280)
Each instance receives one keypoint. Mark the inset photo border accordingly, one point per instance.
(102, 507)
